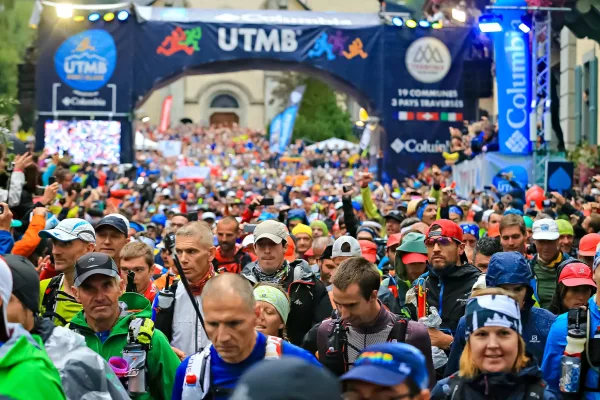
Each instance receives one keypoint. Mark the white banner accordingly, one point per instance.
(192, 173)
(170, 148)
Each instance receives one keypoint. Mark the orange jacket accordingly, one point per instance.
(26, 246)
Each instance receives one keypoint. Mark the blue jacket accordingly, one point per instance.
(556, 344)
(6, 242)
(510, 268)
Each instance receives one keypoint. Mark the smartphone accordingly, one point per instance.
(51, 180)
(267, 201)
(193, 216)
(532, 203)
(487, 188)
(249, 228)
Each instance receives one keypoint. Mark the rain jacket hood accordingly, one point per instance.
(511, 268)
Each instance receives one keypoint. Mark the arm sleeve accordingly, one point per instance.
(370, 208)
(179, 377)
(48, 173)
(6, 242)
(247, 215)
(349, 217)
(457, 348)
(555, 346)
(164, 363)
(295, 351)
(17, 180)
(418, 336)
(26, 246)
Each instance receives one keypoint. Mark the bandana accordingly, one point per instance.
(275, 297)
(492, 310)
(456, 210)
(470, 229)
(197, 289)
(277, 277)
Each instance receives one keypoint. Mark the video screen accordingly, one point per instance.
(93, 141)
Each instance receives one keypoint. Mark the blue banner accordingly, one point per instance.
(275, 133)
(513, 76)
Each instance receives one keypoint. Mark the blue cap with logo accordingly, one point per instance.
(389, 364)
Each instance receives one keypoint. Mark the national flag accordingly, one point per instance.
(452, 117)
(428, 116)
(406, 115)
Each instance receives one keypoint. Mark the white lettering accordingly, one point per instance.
(516, 116)
(248, 34)
(256, 40)
(288, 41)
(267, 43)
(233, 39)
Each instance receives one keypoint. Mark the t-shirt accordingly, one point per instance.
(65, 307)
(225, 375)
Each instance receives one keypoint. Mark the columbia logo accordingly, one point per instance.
(517, 143)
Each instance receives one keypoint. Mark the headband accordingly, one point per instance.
(275, 297)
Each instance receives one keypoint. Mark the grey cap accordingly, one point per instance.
(273, 230)
(355, 250)
(93, 264)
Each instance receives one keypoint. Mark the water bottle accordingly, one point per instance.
(570, 362)
(165, 299)
(135, 356)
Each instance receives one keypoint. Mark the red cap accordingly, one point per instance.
(588, 243)
(369, 250)
(576, 274)
(449, 229)
(411, 258)
(394, 240)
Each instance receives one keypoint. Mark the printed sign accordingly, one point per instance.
(559, 176)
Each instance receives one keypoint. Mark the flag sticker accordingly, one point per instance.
(406, 115)
(452, 117)
(428, 116)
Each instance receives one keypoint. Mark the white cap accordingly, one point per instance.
(545, 229)
(209, 215)
(486, 215)
(355, 250)
(71, 229)
(166, 192)
(272, 230)
(6, 286)
(248, 240)
(338, 205)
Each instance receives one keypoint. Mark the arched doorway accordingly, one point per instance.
(223, 110)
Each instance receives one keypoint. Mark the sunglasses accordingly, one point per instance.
(440, 240)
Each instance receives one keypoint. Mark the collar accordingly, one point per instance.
(554, 263)
(384, 318)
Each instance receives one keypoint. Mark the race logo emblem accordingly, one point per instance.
(86, 61)
(428, 60)
(337, 45)
(186, 41)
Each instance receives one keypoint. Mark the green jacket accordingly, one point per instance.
(161, 360)
(26, 372)
(371, 210)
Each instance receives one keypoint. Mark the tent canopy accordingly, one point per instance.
(334, 144)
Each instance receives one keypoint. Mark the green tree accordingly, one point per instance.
(320, 117)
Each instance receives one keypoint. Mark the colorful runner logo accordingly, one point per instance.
(181, 40)
(86, 61)
(337, 45)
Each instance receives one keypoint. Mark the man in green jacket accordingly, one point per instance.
(26, 372)
(105, 326)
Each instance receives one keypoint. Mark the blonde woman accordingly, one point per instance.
(494, 363)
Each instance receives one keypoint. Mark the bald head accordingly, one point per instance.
(199, 230)
(224, 286)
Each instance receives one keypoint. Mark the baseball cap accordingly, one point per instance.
(389, 364)
(545, 229)
(71, 229)
(275, 231)
(393, 240)
(397, 215)
(368, 250)
(26, 282)
(576, 274)
(92, 264)
(209, 215)
(565, 227)
(327, 253)
(411, 258)
(486, 215)
(448, 228)
(306, 381)
(6, 285)
(354, 251)
(116, 221)
(588, 243)
(248, 240)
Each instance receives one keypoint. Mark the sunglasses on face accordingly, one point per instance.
(440, 240)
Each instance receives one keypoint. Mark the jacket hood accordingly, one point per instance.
(508, 268)
(137, 306)
(413, 242)
(20, 347)
(300, 268)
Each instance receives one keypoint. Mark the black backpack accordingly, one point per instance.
(50, 299)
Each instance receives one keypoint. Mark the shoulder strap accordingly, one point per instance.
(51, 298)
(324, 330)
(398, 332)
(196, 384)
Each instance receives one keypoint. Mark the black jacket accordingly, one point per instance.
(309, 301)
(453, 289)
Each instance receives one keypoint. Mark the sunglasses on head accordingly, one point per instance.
(440, 240)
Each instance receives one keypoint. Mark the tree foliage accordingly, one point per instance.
(320, 117)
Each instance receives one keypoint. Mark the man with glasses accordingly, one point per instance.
(446, 285)
(71, 239)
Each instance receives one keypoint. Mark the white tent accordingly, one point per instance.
(334, 144)
(142, 143)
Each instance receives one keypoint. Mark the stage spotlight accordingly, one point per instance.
(78, 18)
(459, 15)
(424, 24)
(93, 17)
(490, 23)
(397, 21)
(411, 23)
(122, 15)
(64, 11)
(109, 16)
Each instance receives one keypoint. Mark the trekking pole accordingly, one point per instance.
(170, 246)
